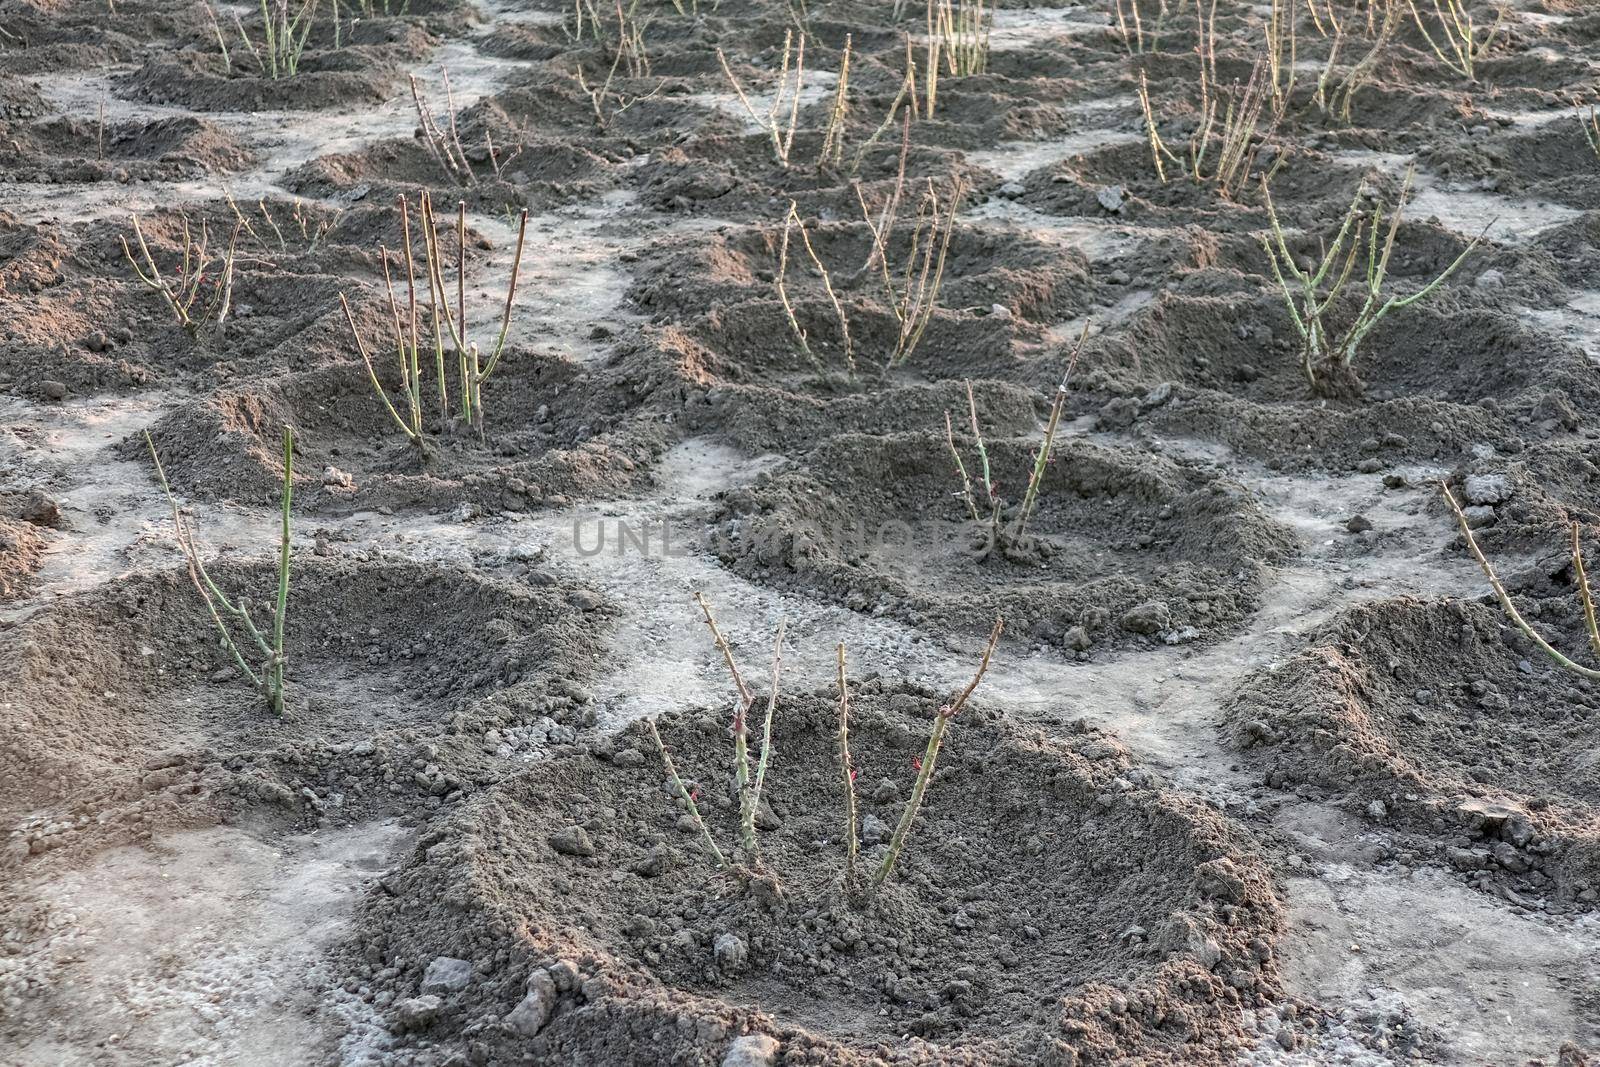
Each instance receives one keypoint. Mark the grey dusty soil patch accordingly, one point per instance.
(1257, 774)
(201, 944)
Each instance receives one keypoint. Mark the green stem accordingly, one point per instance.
(281, 611)
(202, 581)
(271, 38)
(852, 841)
(930, 756)
(902, 830)
(683, 793)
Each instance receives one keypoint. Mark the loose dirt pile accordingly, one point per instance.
(124, 714)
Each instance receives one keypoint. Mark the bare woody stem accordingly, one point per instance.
(1042, 459)
(990, 494)
(852, 841)
(961, 468)
(766, 726)
(930, 756)
(827, 285)
(280, 611)
(783, 291)
(413, 433)
(1505, 598)
(686, 796)
(741, 728)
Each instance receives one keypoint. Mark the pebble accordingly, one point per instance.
(413, 1013)
(39, 510)
(1181, 636)
(1358, 524)
(572, 841)
(730, 953)
(1148, 618)
(752, 1050)
(1487, 489)
(533, 1010)
(446, 974)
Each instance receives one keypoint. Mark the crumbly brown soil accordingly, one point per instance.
(1439, 718)
(1053, 906)
(20, 546)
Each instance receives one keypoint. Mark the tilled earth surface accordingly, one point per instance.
(1258, 774)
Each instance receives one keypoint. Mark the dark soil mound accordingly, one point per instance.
(1122, 546)
(1052, 906)
(21, 100)
(1030, 280)
(1438, 379)
(75, 150)
(763, 388)
(1309, 189)
(1438, 718)
(553, 432)
(84, 320)
(740, 177)
(1527, 504)
(123, 712)
(366, 68)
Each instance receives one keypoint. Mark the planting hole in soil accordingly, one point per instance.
(1026, 923)
(1117, 548)
(122, 699)
(391, 391)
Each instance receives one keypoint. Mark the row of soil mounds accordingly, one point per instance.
(193, 58)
